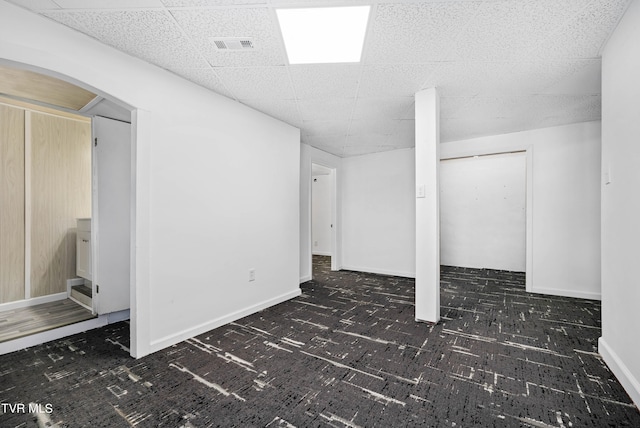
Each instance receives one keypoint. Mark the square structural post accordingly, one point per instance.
(427, 205)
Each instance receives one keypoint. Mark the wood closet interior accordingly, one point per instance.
(45, 185)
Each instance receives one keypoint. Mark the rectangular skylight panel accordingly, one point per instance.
(324, 35)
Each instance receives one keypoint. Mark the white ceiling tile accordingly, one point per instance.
(109, 4)
(466, 78)
(394, 80)
(509, 78)
(334, 141)
(416, 32)
(366, 139)
(326, 143)
(36, 4)
(465, 128)
(205, 77)
(315, 81)
(384, 108)
(575, 107)
(585, 34)
(512, 29)
(257, 82)
(377, 126)
(318, 3)
(209, 3)
(335, 109)
(150, 35)
(577, 77)
(360, 150)
(499, 65)
(451, 106)
(284, 110)
(323, 127)
(405, 133)
(257, 23)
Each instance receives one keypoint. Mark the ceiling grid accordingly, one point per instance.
(500, 65)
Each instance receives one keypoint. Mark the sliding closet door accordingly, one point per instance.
(60, 192)
(11, 204)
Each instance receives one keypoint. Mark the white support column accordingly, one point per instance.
(427, 205)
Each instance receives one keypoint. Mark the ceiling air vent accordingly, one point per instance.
(233, 43)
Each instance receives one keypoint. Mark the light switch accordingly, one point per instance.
(420, 191)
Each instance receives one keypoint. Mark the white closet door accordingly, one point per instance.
(111, 224)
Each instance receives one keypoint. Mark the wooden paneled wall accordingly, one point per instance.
(60, 192)
(12, 207)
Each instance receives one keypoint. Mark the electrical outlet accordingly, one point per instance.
(252, 274)
(315, 243)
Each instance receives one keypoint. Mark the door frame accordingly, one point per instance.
(334, 215)
(528, 150)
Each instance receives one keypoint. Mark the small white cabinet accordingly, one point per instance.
(83, 248)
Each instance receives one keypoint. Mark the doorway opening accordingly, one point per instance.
(484, 212)
(323, 236)
(51, 292)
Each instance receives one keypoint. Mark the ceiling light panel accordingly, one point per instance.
(324, 35)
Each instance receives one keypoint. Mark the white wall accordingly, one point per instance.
(483, 211)
(620, 202)
(378, 213)
(207, 173)
(565, 198)
(321, 190)
(310, 155)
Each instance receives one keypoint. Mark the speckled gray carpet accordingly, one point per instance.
(347, 353)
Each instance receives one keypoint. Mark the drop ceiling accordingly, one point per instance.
(500, 65)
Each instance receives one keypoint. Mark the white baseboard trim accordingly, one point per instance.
(322, 253)
(60, 332)
(172, 339)
(567, 293)
(115, 317)
(305, 279)
(25, 303)
(620, 370)
(380, 271)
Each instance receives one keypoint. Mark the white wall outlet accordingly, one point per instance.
(315, 243)
(252, 274)
(421, 191)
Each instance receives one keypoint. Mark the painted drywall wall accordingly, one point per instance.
(215, 184)
(308, 156)
(565, 229)
(483, 211)
(620, 203)
(378, 213)
(321, 189)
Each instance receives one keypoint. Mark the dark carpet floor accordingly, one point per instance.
(347, 353)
